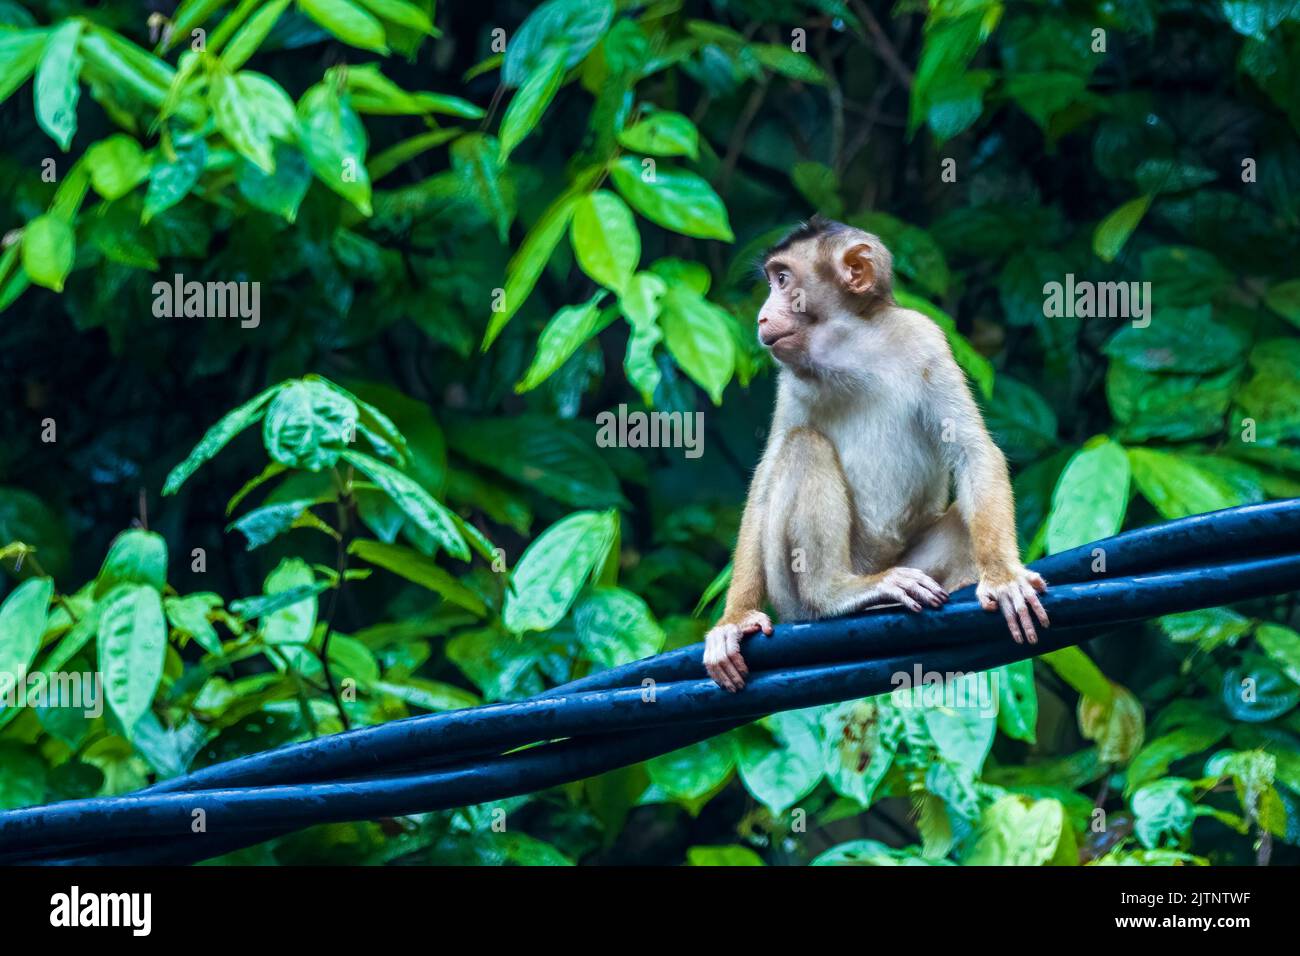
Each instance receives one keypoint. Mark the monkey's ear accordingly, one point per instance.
(858, 268)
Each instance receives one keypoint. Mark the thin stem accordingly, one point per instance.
(341, 569)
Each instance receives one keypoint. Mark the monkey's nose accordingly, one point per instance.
(762, 320)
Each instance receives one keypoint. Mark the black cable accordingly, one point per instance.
(674, 702)
(948, 634)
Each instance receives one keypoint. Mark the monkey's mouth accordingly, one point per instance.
(769, 342)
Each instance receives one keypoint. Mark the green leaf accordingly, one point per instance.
(662, 133)
(1117, 723)
(722, 856)
(334, 141)
(263, 525)
(499, 666)
(1091, 496)
(1017, 831)
(1153, 760)
(1177, 487)
(308, 425)
(428, 694)
(136, 77)
(1044, 93)
(217, 437)
(189, 615)
(1179, 340)
(1283, 645)
(23, 618)
(642, 302)
(375, 93)
(171, 181)
(872, 853)
(860, 740)
(250, 112)
(1161, 810)
(1017, 700)
(555, 566)
(672, 198)
(1258, 690)
(135, 557)
(697, 334)
(402, 13)
(409, 427)
(378, 428)
(616, 627)
(605, 239)
(250, 36)
(1256, 18)
(347, 21)
(532, 98)
(117, 165)
(564, 334)
(289, 616)
(1113, 231)
(20, 51)
(788, 62)
(132, 648)
(425, 511)
(963, 735)
(280, 192)
(577, 25)
(956, 103)
(526, 265)
(49, 247)
(692, 773)
(782, 767)
(58, 84)
(716, 587)
(1077, 669)
(1208, 627)
(418, 569)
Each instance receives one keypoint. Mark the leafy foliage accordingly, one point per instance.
(474, 228)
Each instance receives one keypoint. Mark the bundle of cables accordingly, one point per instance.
(653, 706)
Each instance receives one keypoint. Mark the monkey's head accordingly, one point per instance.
(825, 279)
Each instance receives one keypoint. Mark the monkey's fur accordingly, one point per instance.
(880, 483)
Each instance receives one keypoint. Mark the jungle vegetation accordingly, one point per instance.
(377, 490)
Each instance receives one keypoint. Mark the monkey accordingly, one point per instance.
(852, 503)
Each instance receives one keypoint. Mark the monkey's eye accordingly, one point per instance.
(782, 279)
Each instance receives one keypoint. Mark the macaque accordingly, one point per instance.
(852, 504)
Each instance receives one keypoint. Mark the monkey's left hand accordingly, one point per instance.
(722, 657)
(1015, 592)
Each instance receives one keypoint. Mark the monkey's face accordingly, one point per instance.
(784, 321)
(816, 295)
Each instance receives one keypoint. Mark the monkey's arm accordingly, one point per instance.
(747, 592)
(743, 613)
(986, 504)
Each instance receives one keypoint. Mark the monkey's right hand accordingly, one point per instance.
(722, 649)
(910, 588)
